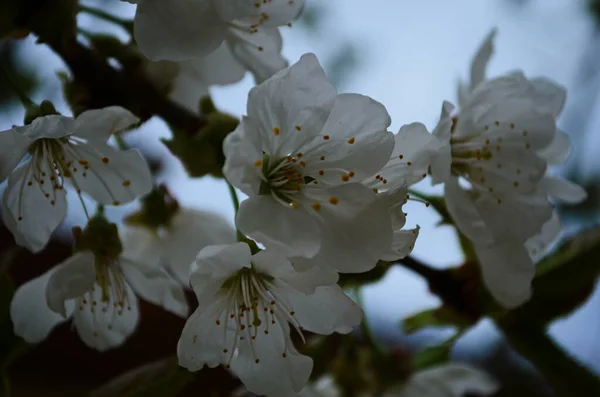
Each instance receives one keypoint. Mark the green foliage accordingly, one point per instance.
(162, 378)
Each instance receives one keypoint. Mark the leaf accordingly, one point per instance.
(163, 378)
(439, 317)
(431, 356)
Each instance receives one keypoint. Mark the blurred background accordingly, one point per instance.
(409, 55)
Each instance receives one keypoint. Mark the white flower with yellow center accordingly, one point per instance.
(98, 288)
(247, 305)
(179, 30)
(301, 155)
(500, 143)
(63, 151)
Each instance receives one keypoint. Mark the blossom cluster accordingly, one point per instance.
(326, 184)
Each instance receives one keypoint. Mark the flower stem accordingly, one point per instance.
(120, 142)
(107, 17)
(236, 206)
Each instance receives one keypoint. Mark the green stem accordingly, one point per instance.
(128, 25)
(236, 206)
(100, 209)
(120, 142)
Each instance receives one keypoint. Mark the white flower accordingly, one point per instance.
(100, 295)
(451, 380)
(65, 150)
(178, 242)
(300, 155)
(188, 81)
(178, 30)
(247, 304)
(500, 143)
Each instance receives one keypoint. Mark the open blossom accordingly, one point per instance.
(451, 380)
(178, 30)
(300, 155)
(247, 305)
(176, 243)
(501, 142)
(99, 291)
(65, 151)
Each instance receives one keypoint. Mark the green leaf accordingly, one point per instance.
(435, 355)
(439, 317)
(163, 378)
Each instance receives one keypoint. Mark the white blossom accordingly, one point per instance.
(247, 304)
(177, 243)
(500, 143)
(65, 150)
(179, 30)
(100, 295)
(301, 155)
(451, 380)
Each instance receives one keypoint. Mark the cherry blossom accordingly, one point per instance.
(301, 155)
(247, 304)
(65, 150)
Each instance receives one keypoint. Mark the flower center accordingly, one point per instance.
(283, 180)
(253, 306)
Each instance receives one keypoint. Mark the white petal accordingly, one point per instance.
(356, 230)
(69, 280)
(220, 67)
(28, 213)
(241, 155)
(299, 96)
(220, 261)
(507, 271)
(324, 312)
(277, 12)
(558, 150)
(538, 244)
(187, 90)
(402, 244)
(271, 223)
(274, 374)
(563, 190)
(462, 210)
(205, 335)
(13, 147)
(452, 380)
(189, 232)
(413, 152)
(155, 286)
(32, 318)
(279, 267)
(359, 141)
(548, 95)
(52, 126)
(102, 325)
(112, 177)
(259, 52)
(481, 59)
(100, 124)
(142, 245)
(178, 29)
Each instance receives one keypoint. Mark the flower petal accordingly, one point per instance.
(110, 176)
(32, 318)
(69, 280)
(220, 67)
(538, 244)
(155, 286)
(53, 126)
(452, 380)
(548, 96)
(259, 52)
(359, 141)
(356, 230)
(481, 59)
(178, 29)
(272, 13)
(324, 312)
(461, 207)
(241, 156)
(99, 124)
(402, 244)
(291, 229)
(507, 271)
(104, 325)
(563, 190)
(291, 108)
(265, 369)
(32, 212)
(220, 261)
(13, 147)
(558, 150)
